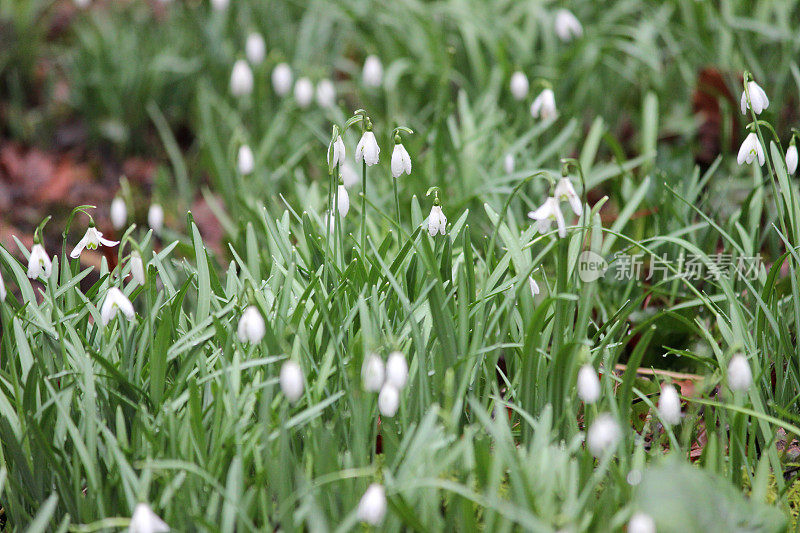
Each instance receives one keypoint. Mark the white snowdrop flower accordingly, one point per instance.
(534, 286)
(155, 217)
(255, 49)
(508, 163)
(137, 268)
(367, 149)
(241, 78)
(437, 222)
(588, 384)
(388, 400)
(245, 160)
(567, 25)
(758, 98)
(641, 523)
(343, 203)
(349, 174)
(291, 381)
(669, 405)
(519, 85)
(397, 370)
(566, 192)
(544, 105)
(740, 377)
(401, 161)
(91, 240)
(336, 156)
(2, 288)
(82, 3)
(750, 151)
(372, 507)
(251, 326)
(372, 373)
(548, 212)
(603, 435)
(282, 79)
(144, 520)
(116, 301)
(219, 5)
(118, 212)
(791, 158)
(38, 263)
(373, 71)
(303, 92)
(326, 94)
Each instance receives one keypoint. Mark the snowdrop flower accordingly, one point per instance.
(343, 204)
(372, 507)
(544, 105)
(155, 217)
(758, 98)
(291, 381)
(367, 149)
(241, 78)
(245, 161)
(669, 405)
(567, 25)
(437, 222)
(349, 174)
(251, 326)
(641, 523)
(116, 301)
(137, 267)
(508, 163)
(372, 373)
(740, 377)
(38, 263)
(546, 214)
(337, 154)
(396, 370)
(144, 520)
(791, 158)
(255, 49)
(388, 400)
(373, 71)
(603, 435)
(519, 85)
(82, 3)
(750, 151)
(118, 212)
(219, 5)
(91, 240)
(2, 288)
(282, 79)
(401, 161)
(303, 92)
(534, 286)
(326, 94)
(566, 192)
(588, 384)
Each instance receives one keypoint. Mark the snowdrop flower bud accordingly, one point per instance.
(2, 288)
(388, 400)
(82, 3)
(38, 263)
(534, 286)
(303, 92)
(251, 326)
(219, 5)
(588, 384)
(437, 222)
(791, 158)
(544, 105)
(567, 25)
(603, 435)
(546, 214)
(372, 373)
(566, 192)
(373, 72)
(641, 523)
(119, 213)
(758, 98)
(255, 49)
(338, 153)
(396, 370)
(291, 381)
(401, 161)
(155, 217)
(144, 520)
(669, 405)
(740, 377)
(372, 507)
(282, 79)
(245, 161)
(116, 301)
(326, 94)
(241, 78)
(343, 205)
(137, 268)
(91, 240)
(750, 151)
(508, 163)
(519, 85)
(367, 149)
(349, 174)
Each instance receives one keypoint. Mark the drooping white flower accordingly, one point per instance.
(91, 240)
(220, 5)
(38, 263)
(118, 212)
(367, 149)
(397, 370)
(437, 222)
(137, 268)
(519, 85)
(373, 71)
(241, 78)
(388, 400)
(326, 93)
(282, 79)
(349, 174)
(155, 217)
(758, 98)
(548, 212)
(641, 523)
(82, 3)
(567, 25)
(372, 373)
(534, 286)
(791, 158)
(372, 507)
(588, 384)
(291, 381)
(669, 405)
(251, 326)
(303, 92)
(750, 151)
(343, 203)
(245, 160)
(144, 520)
(116, 301)
(544, 105)
(2, 288)
(740, 377)
(566, 192)
(336, 156)
(255, 49)
(603, 435)
(508, 163)
(401, 161)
